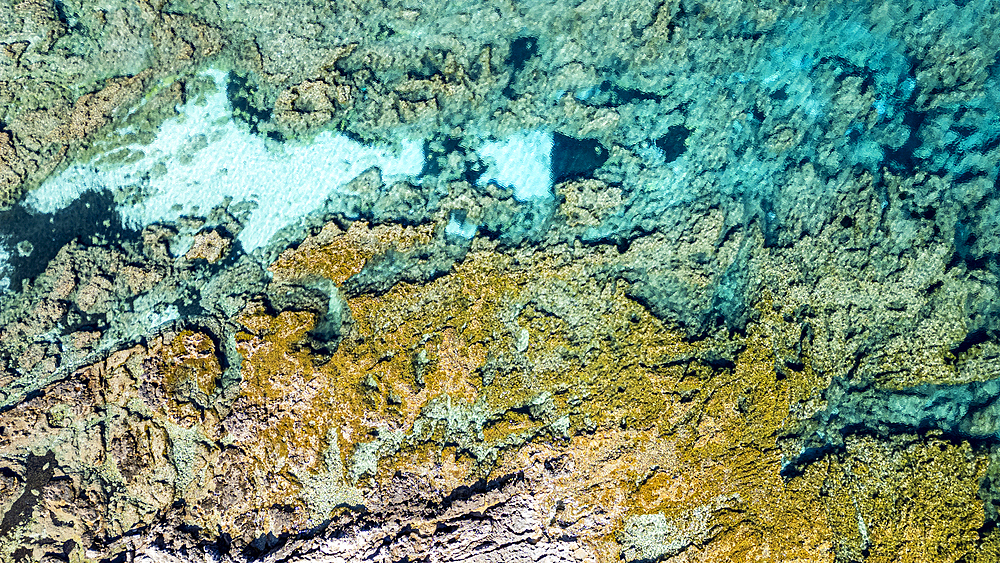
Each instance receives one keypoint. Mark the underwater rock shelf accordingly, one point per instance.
(499, 282)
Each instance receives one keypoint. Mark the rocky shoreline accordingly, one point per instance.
(366, 281)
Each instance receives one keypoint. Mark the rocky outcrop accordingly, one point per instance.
(370, 282)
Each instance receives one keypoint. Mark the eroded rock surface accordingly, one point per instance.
(369, 281)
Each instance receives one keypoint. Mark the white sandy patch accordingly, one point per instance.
(522, 162)
(203, 157)
(459, 228)
(4, 269)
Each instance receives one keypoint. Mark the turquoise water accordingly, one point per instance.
(724, 164)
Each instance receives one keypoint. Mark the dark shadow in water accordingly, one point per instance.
(575, 158)
(39, 236)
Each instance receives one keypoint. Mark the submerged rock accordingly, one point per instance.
(307, 281)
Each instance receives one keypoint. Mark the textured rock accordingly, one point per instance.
(365, 281)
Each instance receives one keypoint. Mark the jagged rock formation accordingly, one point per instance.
(370, 281)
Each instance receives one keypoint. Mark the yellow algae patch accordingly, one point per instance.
(280, 383)
(729, 449)
(989, 549)
(188, 368)
(719, 441)
(412, 344)
(403, 349)
(337, 254)
(555, 369)
(667, 445)
(906, 502)
(191, 359)
(275, 444)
